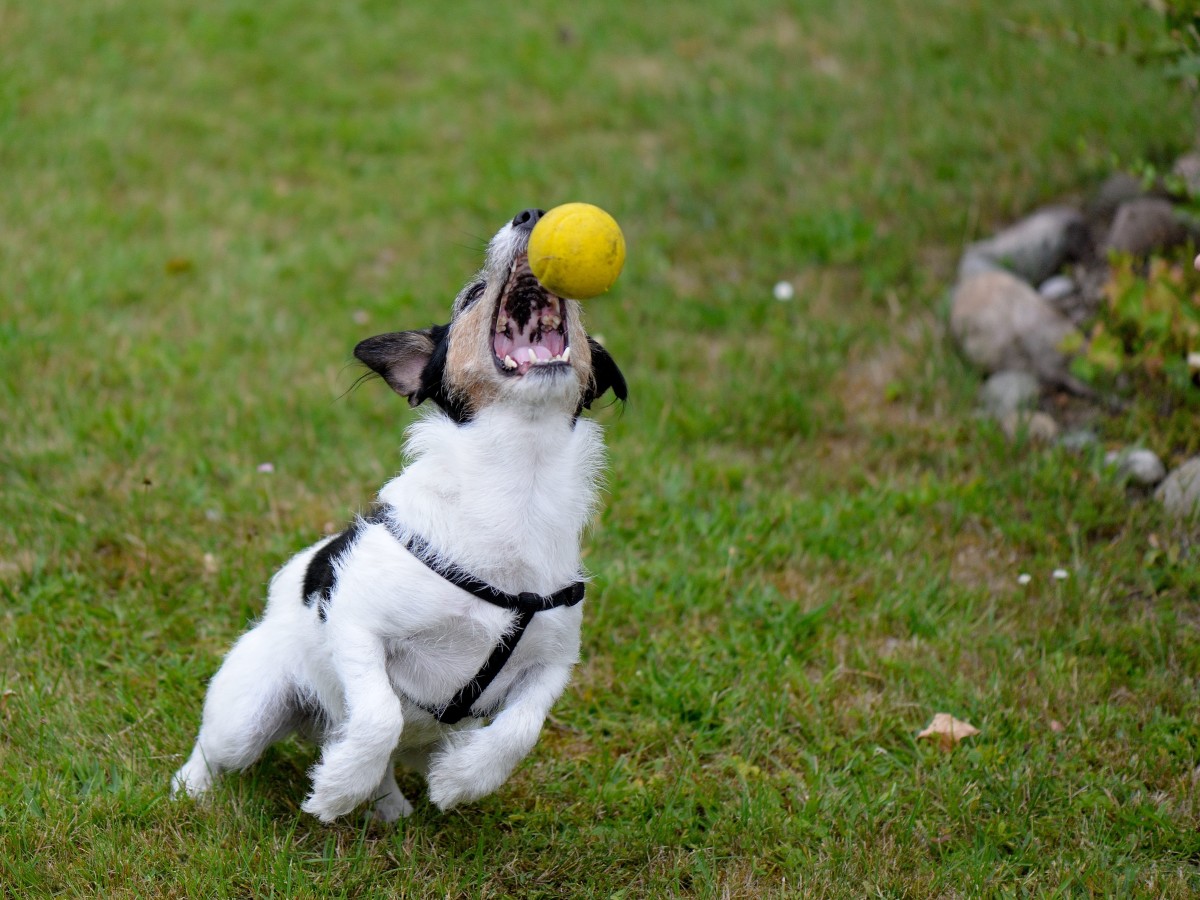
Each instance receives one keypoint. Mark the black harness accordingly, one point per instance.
(525, 605)
(320, 580)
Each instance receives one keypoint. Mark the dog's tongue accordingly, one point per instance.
(525, 350)
(522, 352)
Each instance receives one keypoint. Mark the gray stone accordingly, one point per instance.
(1008, 391)
(1057, 287)
(1092, 280)
(1138, 465)
(1000, 322)
(1034, 248)
(1118, 188)
(1145, 225)
(1180, 492)
(975, 263)
(1187, 169)
(1078, 440)
(1036, 426)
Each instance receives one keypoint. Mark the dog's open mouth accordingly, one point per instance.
(530, 327)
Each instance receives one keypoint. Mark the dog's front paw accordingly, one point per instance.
(328, 803)
(448, 789)
(192, 780)
(464, 772)
(343, 780)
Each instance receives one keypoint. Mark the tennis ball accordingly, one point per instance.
(577, 250)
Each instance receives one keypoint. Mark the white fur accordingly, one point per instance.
(505, 497)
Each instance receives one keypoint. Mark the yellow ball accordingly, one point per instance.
(577, 250)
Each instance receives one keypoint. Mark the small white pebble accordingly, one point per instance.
(266, 467)
(784, 291)
(1193, 361)
(1060, 574)
(361, 317)
(1024, 578)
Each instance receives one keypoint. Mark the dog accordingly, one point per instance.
(437, 631)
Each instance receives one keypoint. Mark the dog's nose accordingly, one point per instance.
(527, 218)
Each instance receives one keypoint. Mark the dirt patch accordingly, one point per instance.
(872, 386)
(977, 562)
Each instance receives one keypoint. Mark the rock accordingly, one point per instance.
(1000, 322)
(1078, 440)
(1180, 492)
(1145, 225)
(1138, 465)
(1036, 426)
(1057, 287)
(1092, 280)
(1187, 169)
(975, 263)
(1118, 188)
(1065, 297)
(1008, 391)
(1034, 248)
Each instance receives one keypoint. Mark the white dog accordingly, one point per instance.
(457, 597)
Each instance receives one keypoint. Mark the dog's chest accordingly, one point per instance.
(434, 663)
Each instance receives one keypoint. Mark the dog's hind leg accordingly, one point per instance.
(390, 804)
(252, 702)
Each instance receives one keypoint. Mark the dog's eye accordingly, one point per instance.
(473, 293)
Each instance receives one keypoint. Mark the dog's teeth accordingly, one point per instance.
(509, 362)
(566, 355)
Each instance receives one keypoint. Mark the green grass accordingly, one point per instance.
(809, 546)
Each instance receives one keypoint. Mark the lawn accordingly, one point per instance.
(809, 545)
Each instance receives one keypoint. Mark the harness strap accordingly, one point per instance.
(526, 605)
(522, 602)
(460, 704)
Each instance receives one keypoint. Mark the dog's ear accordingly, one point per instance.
(605, 376)
(400, 358)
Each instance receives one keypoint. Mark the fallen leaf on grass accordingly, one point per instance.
(947, 731)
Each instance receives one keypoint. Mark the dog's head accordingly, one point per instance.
(509, 340)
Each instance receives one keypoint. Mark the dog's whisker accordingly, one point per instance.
(365, 376)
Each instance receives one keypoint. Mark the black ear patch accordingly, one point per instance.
(413, 363)
(433, 379)
(399, 358)
(606, 376)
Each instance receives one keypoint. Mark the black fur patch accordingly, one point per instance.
(321, 576)
(433, 378)
(413, 363)
(606, 376)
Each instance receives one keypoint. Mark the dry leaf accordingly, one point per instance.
(947, 731)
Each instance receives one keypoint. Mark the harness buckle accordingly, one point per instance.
(531, 601)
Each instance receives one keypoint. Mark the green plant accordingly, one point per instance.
(1148, 327)
(1182, 19)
